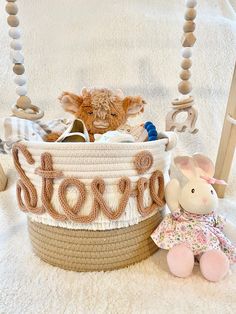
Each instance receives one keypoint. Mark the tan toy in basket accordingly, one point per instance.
(92, 206)
(101, 109)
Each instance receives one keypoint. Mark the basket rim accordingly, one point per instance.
(95, 145)
(167, 139)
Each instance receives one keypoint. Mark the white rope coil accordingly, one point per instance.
(110, 162)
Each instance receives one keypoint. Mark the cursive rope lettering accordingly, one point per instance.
(72, 211)
(124, 187)
(24, 184)
(157, 197)
(48, 174)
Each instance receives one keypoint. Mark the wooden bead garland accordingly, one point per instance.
(14, 33)
(13, 21)
(189, 26)
(11, 8)
(23, 107)
(20, 80)
(185, 75)
(188, 40)
(185, 87)
(186, 52)
(191, 3)
(190, 14)
(17, 57)
(16, 44)
(19, 69)
(186, 64)
(23, 102)
(21, 90)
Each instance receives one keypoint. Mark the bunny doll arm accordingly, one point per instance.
(172, 194)
(229, 230)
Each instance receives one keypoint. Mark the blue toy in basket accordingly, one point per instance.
(152, 132)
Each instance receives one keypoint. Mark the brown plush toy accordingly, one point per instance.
(101, 110)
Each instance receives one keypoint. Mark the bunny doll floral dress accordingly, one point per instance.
(199, 232)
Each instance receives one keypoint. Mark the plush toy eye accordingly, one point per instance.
(192, 190)
(212, 192)
(90, 113)
(114, 114)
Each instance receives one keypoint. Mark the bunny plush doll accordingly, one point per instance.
(193, 231)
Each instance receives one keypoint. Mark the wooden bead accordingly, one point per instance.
(16, 44)
(19, 69)
(20, 80)
(11, 8)
(13, 20)
(186, 64)
(188, 40)
(186, 52)
(21, 90)
(14, 33)
(183, 102)
(185, 75)
(189, 26)
(190, 14)
(191, 3)
(23, 102)
(16, 56)
(185, 87)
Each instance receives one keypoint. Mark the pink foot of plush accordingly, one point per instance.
(214, 265)
(180, 260)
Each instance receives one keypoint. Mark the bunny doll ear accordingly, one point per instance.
(205, 166)
(186, 165)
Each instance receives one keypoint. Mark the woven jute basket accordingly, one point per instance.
(86, 250)
(93, 207)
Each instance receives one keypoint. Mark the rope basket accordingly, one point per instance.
(90, 206)
(86, 250)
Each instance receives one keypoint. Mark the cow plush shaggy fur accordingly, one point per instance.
(101, 109)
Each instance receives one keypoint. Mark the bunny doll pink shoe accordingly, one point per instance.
(180, 260)
(214, 265)
(193, 229)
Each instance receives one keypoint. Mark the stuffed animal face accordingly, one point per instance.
(198, 197)
(102, 110)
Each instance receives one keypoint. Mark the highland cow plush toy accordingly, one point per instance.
(101, 110)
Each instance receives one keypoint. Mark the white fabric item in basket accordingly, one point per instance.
(87, 161)
(13, 130)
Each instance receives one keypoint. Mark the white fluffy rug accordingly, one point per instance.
(133, 45)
